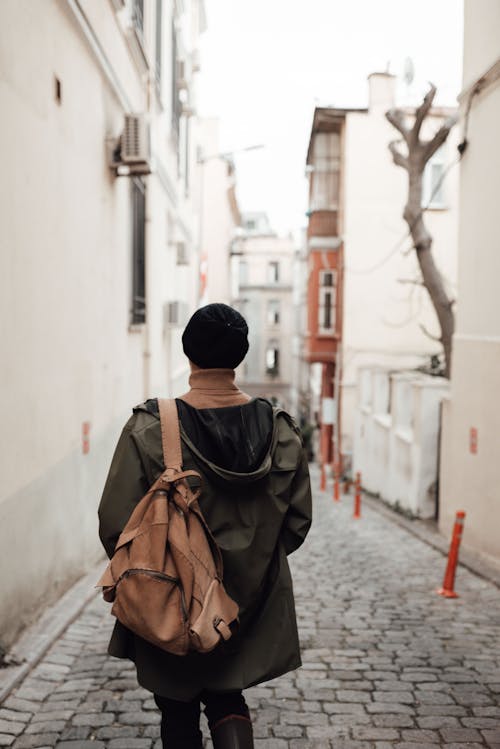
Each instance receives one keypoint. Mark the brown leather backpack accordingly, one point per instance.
(165, 576)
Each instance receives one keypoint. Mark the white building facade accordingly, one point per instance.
(100, 270)
(470, 446)
(263, 266)
(387, 314)
(220, 215)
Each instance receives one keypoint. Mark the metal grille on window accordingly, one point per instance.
(327, 301)
(138, 16)
(177, 71)
(138, 310)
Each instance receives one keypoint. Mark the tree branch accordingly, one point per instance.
(397, 119)
(414, 281)
(398, 158)
(431, 146)
(423, 111)
(424, 330)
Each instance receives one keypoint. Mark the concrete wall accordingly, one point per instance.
(469, 478)
(382, 316)
(69, 353)
(396, 437)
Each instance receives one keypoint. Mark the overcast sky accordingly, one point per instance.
(267, 63)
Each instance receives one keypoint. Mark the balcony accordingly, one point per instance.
(322, 224)
(320, 349)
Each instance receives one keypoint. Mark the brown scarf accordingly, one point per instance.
(214, 388)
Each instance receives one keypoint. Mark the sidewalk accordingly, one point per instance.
(387, 662)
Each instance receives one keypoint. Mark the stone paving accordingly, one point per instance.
(387, 662)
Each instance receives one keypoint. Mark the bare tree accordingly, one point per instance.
(418, 153)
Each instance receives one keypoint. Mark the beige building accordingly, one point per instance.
(470, 448)
(220, 215)
(385, 310)
(262, 267)
(99, 240)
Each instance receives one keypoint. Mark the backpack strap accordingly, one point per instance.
(170, 434)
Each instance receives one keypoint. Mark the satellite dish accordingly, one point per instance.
(408, 71)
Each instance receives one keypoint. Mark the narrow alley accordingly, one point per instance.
(387, 662)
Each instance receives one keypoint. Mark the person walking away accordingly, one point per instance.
(256, 500)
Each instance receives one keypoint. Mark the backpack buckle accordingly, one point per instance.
(221, 627)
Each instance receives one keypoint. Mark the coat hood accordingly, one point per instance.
(234, 442)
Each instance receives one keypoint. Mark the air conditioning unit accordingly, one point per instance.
(136, 140)
(130, 154)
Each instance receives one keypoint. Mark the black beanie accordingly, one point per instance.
(216, 337)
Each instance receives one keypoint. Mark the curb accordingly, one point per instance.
(34, 642)
(428, 533)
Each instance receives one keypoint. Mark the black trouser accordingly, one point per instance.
(180, 721)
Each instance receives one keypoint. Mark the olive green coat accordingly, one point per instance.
(257, 519)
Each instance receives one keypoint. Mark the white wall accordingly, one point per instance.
(218, 222)
(396, 437)
(469, 480)
(382, 316)
(481, 24)
(69, 354)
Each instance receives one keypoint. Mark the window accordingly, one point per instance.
(138, 18)
(187, 146)
(432, 181)
(326, 174)
(138, 306)
(273, 312)
(272, 359)
(176, 104)
(327, 317)
(182, 254)
(243, 272)
(273, 272)
(159, 38)
(183, 153)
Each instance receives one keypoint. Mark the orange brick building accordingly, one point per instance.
(326, 261)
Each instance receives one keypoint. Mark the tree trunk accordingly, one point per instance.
(419, 153)
(422, 242)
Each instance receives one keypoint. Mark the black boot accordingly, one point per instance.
(233, 732)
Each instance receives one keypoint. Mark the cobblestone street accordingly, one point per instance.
(387, 662)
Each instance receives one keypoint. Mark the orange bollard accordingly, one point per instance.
(357, 496)
(322, 484)
(336, 485)
(449, 576)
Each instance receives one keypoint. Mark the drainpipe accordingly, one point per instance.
(148, 255)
